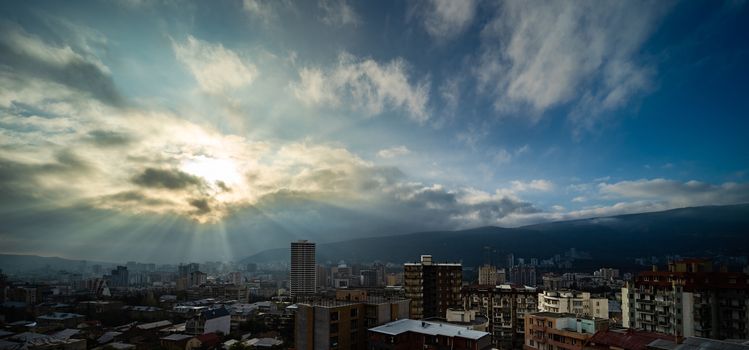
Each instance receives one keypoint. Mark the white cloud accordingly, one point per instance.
(338, 13)
(502, 157)
(216, 68)
(678, 194)
(533, 185)
(259, 8)
(367, 86)
(537, 56)
(446, 19)
(393, 152)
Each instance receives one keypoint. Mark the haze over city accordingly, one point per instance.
(174, 131)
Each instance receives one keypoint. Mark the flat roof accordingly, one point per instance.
(430, 328)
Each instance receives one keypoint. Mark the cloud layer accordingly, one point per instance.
(583, 53)
(366, 85)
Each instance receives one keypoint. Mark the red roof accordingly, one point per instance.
(627, 340)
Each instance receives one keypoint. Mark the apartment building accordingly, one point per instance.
(303, 275)
(574, 302)
(342, 324)
(689, 300)
(560, 331)
(432, 287)
(505, 306)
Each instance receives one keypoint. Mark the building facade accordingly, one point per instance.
(574, 302)
(432, 287)
(342, 324)
(560, 331)
(303, 275)
(689, 300)
(506, 306)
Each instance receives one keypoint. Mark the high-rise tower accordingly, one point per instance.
(302, 280)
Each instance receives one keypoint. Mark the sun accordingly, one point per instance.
(213, 170)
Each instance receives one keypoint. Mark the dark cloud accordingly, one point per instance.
(104, 138)
(26, 55)
(134, 197)
(66, 162)
(166, 178)
(201, 205)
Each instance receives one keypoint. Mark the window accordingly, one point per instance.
(334, 328)
(354, 325)
(334, 315)
(333, 342)
(354, 312)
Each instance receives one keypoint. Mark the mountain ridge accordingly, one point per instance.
(617, 238)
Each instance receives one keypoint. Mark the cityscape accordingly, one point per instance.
(374, 175)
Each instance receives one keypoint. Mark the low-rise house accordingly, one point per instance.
(209, 321)
(175, 341)
(60, 319)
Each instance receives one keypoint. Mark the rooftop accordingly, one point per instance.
(177, 337)
(154, 325)
(627, 338)
(430, 328)
(59, 316)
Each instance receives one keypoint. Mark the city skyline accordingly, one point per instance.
(189, 131)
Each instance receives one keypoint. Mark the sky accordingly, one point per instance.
(171, 130)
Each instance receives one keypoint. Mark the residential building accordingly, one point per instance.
(560, 331)
(607, 273)
(574, 302)
(470, 319)
(342, 324)
(506, 306)
(523, 274)
(119, 278)
(552, 282)
(61, 319)
(198, 278)
(209, 321)
(432, 287)
(303, 279)
(409, 334)
(490, 276)
(689, 300)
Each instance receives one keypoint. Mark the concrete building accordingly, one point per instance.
(303, 279)
(470, 319)
(552, 282)
(607, 273)
(409, 334)
(689, 300)
(432, 287)
(491, 276)
(61, 319)
(564, 331)
(523, 274)
(506, 306)
(574, 302)
(342, 324)
(209, 321)
(119, 278)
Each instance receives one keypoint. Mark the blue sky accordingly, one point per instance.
(229, 127)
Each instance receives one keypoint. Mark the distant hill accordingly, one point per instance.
(696, 231)
(12, 263)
